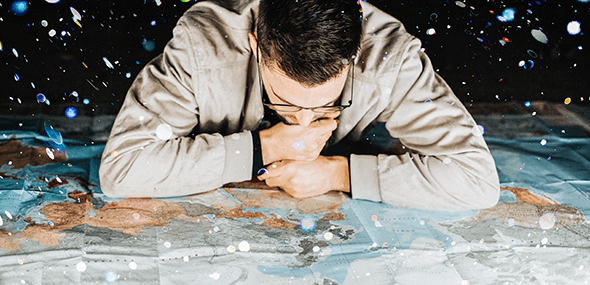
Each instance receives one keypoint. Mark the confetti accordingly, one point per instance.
(108, 63)
(41, 98)
(231, 248)
(49, 153)
(132, 265)
(539, 36)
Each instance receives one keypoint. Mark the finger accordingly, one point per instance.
(269, 172)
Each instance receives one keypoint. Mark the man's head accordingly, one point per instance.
(306, 49)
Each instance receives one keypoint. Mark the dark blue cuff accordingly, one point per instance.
(257, 154)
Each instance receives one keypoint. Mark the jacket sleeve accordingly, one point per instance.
(150, 152)
(447, 166)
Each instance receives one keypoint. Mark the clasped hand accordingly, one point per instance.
(292, 156)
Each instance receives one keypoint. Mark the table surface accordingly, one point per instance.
(58, 227)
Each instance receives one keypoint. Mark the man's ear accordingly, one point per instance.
(253, 42)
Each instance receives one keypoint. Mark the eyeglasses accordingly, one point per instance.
(295, 108)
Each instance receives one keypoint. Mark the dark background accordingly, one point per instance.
(465, 50)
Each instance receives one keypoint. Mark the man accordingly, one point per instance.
(322, 73)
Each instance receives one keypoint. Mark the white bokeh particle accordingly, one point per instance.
(164, 132)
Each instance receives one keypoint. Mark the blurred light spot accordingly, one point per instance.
(86, 101)
(164, 132)
(15, 52)
(132, 265)
(244, 246)
(153, 23)
(52, 1)
(547, 220)
(307, 224)
(110, 276)
(148, 45)
(573, 28)
(507, 15)
(328, 236)
(460, 4)
(63, 33)
(16, 77)
(567, 100)
(71, 112)
(214, 275)
(431, 32)
(543, 142)
(527, 104)
(478, 130)
(81, 266)
(19, 7)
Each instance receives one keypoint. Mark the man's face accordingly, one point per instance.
(283, 90)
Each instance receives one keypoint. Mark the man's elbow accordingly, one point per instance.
(488, 196)
(110, 187)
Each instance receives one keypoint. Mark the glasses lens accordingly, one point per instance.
(283, 108)
(327, 109)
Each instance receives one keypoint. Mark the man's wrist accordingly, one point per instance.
(342, 181)
(265, 149)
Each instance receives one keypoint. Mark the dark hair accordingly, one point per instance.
(310, 40)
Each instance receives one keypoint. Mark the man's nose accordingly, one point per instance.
(304, 117)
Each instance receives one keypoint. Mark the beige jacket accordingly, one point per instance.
(184, 127)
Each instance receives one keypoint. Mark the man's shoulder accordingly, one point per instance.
(233, 14)
(384, 42)
(218, 30)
